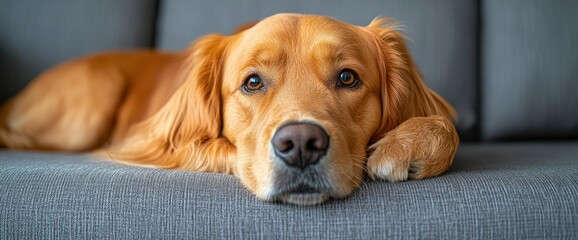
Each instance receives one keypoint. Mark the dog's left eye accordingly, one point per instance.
(347, 78)
(253, 83)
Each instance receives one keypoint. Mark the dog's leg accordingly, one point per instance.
(420, 147)
(214, 155)
(210, 155)
(70, 107)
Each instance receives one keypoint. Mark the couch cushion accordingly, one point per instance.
(443, 35)
(506, 191)
(35, 35)
(529, 69)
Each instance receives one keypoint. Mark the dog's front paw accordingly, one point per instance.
(388, 164)
(419, 148)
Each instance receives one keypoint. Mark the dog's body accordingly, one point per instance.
(86, 103)
(298, 107)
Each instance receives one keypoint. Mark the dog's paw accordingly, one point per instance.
(419, 148)
(395, 170)
(382, 165)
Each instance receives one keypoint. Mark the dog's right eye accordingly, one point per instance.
(253, 83)
(347, 79)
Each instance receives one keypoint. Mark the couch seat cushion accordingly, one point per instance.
(522, 190)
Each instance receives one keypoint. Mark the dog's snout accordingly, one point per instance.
(300, 144)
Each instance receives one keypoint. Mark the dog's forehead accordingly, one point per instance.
(295, 46)
(292, 45)
(299, 30)
(292, 39)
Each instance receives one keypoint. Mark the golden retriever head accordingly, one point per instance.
(289, 105)
(301, 101)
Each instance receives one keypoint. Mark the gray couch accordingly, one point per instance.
(509, 67)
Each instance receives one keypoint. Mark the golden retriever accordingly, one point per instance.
(298, 107)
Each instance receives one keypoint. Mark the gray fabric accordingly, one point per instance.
(35, 35)
(501, 191)
(530, 69)
(443, 35)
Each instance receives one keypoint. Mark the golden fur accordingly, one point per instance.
(187, 110)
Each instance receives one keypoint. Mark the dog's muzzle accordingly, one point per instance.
(299, 178)
(300, 145)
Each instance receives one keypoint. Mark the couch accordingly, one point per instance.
(509, 67)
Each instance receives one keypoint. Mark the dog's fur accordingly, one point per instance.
(188, 110)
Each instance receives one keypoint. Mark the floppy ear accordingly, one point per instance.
(404, 94)
(185, 133)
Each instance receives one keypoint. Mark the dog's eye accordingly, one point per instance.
(253, 83)
(347, 78)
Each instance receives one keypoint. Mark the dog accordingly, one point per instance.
(301, 108)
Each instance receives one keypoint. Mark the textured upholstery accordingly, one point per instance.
(503, 191)
(443, 35)
(35, 35)
(530, 69)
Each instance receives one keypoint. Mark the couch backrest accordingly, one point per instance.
(529, 69)
(35, 35)
(510, 68)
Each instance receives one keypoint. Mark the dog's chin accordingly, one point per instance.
(301, 195)
(305, 198)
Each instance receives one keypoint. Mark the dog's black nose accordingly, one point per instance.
(300, 144)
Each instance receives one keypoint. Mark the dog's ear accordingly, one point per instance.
(194, 111)
(403, 93)
(189, 119)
